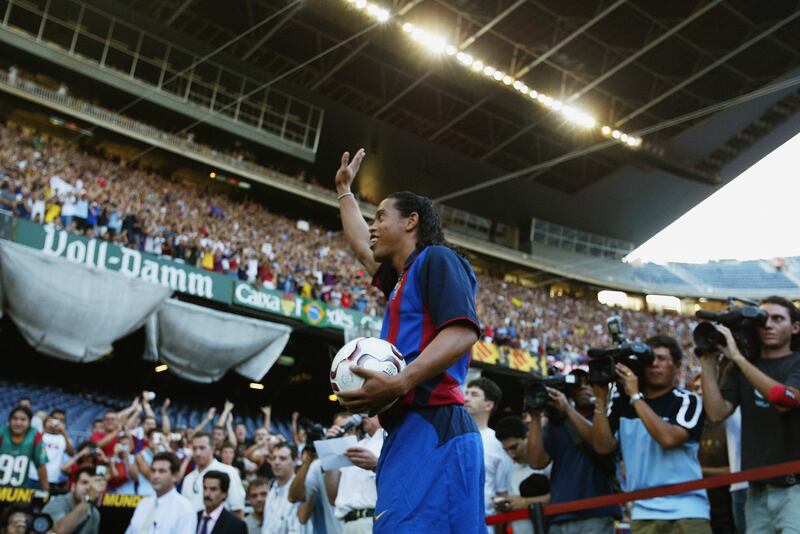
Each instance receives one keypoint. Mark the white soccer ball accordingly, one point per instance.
(369, 353)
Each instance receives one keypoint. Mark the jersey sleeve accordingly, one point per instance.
(730, 385)
(39, 451)
(688, 413)
(448, 287)
(385, 279)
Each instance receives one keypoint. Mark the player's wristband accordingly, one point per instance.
(348, 194)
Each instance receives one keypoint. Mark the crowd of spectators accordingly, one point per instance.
(53, 182)
(253, 470)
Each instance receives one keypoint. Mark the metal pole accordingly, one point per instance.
(536, 511)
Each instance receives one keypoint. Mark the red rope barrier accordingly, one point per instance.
(759, 473)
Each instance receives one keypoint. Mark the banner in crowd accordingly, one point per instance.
(26, 496)
(132, 263)
(515, 359)
(310, 311)
(116, 510)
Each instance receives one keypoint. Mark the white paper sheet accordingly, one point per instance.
(331, 452)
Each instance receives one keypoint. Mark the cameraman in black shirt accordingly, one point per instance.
(764, 388)
(578, 472)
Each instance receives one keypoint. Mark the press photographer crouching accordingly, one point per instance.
(763, 379)
(577, 472)
(657, 429)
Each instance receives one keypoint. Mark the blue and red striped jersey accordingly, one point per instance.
(436, 289)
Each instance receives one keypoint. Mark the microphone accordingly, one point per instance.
(784, 397)
(354, 421)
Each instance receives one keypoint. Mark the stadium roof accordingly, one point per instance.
(632, 64)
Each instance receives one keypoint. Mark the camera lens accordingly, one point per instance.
(536, 396)
(707, 337)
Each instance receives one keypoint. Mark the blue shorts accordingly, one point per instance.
(430, 474)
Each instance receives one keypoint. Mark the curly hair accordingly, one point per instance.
(429, 228)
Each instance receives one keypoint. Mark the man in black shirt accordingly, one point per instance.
(770, 433)
(577, 471)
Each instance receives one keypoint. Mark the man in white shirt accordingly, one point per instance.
(308, 488)
(481, 400)
(353, 489)
(280, 515)
(167, 512)
(512, 432)
(203, 456)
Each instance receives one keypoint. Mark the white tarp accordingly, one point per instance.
(202, 344)
(68, 310)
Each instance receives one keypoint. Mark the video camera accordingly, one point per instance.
(635, 355)
(314, 432)
(743, 322)
(535, 393)
(35, 521)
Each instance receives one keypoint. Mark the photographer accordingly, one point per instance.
(526, 486)
(88, 455)
(76, 512)
(308, 485)
(769, 431)
(125, 475)
(577, 471)
(657, 430)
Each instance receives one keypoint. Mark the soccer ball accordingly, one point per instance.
(367, 352)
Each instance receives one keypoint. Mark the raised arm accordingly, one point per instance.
(66, 467)
(295, 417)
(209, 417)
(133, 408)
(148, 410)
(226, 412)
(267, 411)
(356, 230)
(537, 455)
(229, 430)
(716, 407)
(666, 434)
(603, 441)
(166, 425)
(753, 374)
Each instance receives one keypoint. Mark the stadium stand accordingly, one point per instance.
(82, 409)
(567, 253)
(740, 275)
(243, 240)
(244, 204)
